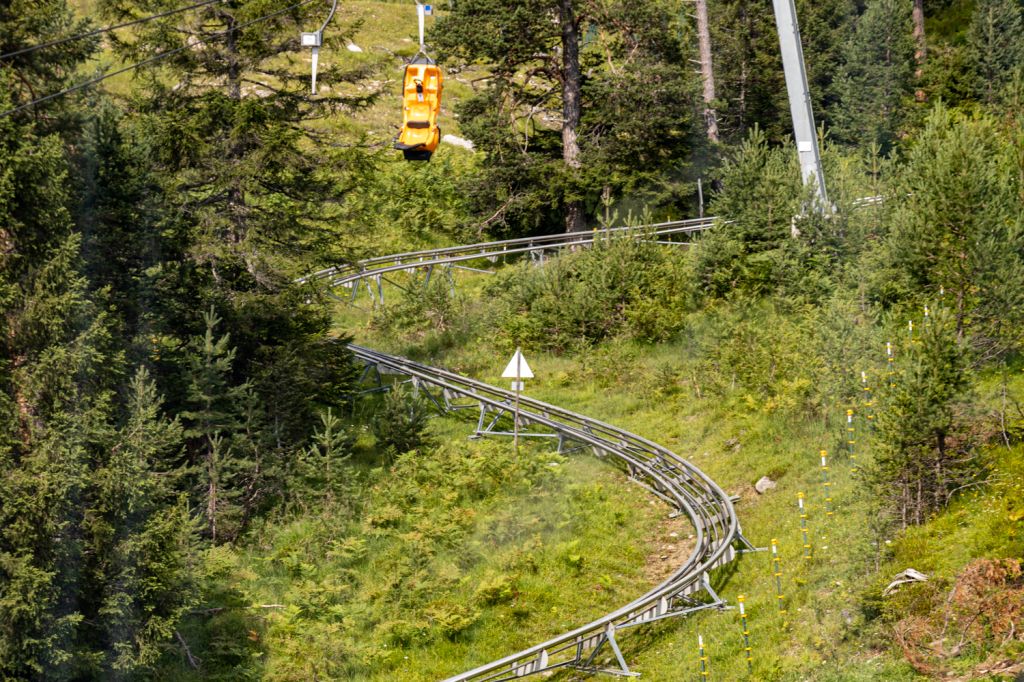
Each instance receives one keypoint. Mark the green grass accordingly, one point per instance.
(654, 390)
(391, 583)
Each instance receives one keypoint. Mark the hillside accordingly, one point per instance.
(241, 441)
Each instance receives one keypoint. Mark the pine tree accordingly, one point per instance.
(761, 192)
(922, 453)
(247, 194)
(875, 80)
(212, 417)
(320, 464)
(960, 229)
(140, 537)
(995, 42)
(586, 98)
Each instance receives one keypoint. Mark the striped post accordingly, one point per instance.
(746, 633)
(851, 439)
(803, 527)
(826, 484)
(703, 658)
(777, 572)
(869, 401)
(910, 329)
(890, 362)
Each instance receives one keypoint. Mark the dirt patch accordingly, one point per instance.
(672, 541)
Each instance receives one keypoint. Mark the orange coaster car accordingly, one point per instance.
(421, 106)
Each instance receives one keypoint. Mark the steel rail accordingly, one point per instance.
(667, 475)
(350, 274)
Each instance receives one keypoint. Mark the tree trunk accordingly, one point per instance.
(575, 220)
(920, 51)
(707, 71)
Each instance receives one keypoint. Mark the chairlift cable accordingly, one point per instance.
(106, 29)
(154, 58)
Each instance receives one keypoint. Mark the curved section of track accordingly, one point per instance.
(670, 477)
(350, 274)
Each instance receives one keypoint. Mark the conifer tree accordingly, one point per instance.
(876, 78)
(959, 228)
(247, 195)
(922, 454)
(141, 535)
(761, 192)
(995, 42)
(212, 417)
(586, 98)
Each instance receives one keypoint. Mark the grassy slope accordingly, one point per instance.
(650, 389)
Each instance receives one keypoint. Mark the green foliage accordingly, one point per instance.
(924, 451)
(400, 422)
(876, 76)
(761, 194)
(995, 46)
(618, 286)
(320, 466)
(959, 230)
(636, 129)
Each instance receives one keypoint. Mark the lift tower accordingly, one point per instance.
(800, 100)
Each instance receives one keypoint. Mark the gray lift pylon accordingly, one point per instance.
(800, 99)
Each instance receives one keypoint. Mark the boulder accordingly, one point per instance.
(764, 484)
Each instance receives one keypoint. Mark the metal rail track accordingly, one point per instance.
(350, 275)
(671, 478)
(674, 480)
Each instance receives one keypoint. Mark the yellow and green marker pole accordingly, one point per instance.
(703, 658)
(808, 550)
(746, 633)
(890, 362)
(826, 483)
(869, 401)
(777, 572)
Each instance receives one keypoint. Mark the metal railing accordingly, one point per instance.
(350, 274)
(671, 478)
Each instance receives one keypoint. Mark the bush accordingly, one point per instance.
(621, 286)
(400, 423)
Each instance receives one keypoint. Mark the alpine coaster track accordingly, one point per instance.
(687, 489)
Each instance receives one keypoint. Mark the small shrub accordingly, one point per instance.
(496, 590)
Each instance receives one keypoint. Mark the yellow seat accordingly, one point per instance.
(421, 107)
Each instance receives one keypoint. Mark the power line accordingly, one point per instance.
(154, 58)
(90, 34)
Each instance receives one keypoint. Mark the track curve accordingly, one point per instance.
(667, 475)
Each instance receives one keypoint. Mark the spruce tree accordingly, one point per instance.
(141, 539)
(923, 455)
(761, 193)
(995, 43)
(958, 227)
(212, 417)
(587, 98)
(876, 77)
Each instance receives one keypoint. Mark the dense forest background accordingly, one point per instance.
(173, 403)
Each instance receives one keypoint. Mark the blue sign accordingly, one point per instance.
(428, 9)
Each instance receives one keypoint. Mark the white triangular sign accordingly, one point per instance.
(524, 369)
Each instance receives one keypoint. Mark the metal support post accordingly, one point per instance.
(800, 100)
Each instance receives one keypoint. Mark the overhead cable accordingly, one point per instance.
(107, 29)
(154, 58)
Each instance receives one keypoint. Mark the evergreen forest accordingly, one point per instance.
(200, 479)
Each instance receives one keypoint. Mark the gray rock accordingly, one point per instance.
(764, 484)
